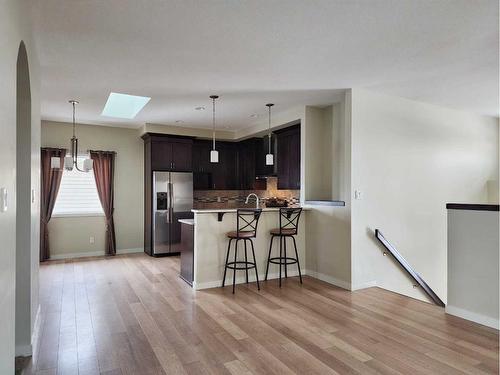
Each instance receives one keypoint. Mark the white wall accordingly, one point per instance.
(71, 236)
(409, 159)
(473, 266)
(328, 229)
(14, 28)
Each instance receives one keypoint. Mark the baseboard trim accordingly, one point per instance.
(368, 284)
(27, 350)
(242, 279)
(472, 316)
(329, 279)
(24, 351)
(93, 254)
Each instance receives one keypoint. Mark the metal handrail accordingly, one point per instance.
(402, 261)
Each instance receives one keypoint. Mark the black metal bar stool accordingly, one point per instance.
(246, 229)
(289, 224)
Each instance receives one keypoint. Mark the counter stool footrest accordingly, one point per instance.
(244, 265)
(282, 260)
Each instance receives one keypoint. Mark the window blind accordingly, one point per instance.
(77, 194)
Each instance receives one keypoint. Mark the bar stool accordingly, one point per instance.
(289, 223)
(246, 229)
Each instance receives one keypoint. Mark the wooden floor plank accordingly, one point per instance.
(132, 314)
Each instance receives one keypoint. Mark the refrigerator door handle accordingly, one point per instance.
(171, 199)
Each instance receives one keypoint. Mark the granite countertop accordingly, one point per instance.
(228, 210)
(186, 221)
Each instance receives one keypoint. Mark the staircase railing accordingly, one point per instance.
(402, 261)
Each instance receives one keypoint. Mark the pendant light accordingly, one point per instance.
(214, 154)
(269, 156)
(71, 161)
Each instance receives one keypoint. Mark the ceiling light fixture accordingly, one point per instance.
(214, 154)
(71, 161)
(200, 108)
(269, 156)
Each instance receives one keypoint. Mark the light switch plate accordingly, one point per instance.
(358, 194)
(3, 199)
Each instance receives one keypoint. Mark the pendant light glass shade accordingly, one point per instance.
(269, 159)
(214, 154)
(269, 156)
(55, 162)
(88, 165)
(70, 162)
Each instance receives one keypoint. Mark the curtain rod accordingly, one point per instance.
(53, 148)
(103, 152)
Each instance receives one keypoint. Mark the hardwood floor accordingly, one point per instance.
(132, 314)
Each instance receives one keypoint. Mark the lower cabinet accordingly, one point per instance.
(187, 252)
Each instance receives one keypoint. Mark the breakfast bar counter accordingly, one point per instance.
(210, 245)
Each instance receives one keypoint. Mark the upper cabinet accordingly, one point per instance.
(240, 163)
(215, 176)
(224, 173)
(246, 164)
(288, 158)
(261, 149)
(167, 153)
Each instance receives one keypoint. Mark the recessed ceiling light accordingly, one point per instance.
(200, 108)
(124, 105)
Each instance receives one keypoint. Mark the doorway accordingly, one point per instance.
(23, 326)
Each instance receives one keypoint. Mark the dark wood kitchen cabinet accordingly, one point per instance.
(202, 169)
(187, 253)
(224, 173)
(169, 153)
(262, 148)
(215, 176)
(288, 158)
(246, 164)
(161, 153)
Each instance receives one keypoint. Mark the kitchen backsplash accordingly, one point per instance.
(236, 198)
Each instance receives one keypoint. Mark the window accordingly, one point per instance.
(78, 194)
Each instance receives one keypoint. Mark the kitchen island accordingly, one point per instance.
(210, 246)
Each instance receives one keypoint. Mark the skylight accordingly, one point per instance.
(124, 105)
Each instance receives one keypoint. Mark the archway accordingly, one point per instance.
(23, 327)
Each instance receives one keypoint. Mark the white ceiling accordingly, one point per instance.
(251, 52)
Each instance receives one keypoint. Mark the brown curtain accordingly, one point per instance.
(104, 168)
(50, 182)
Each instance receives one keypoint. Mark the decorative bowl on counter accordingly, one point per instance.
(276, 202)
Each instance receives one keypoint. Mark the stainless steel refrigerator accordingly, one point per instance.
(172, 200)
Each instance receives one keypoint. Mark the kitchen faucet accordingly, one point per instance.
(256, 197)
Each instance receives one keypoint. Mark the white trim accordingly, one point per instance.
(87, 214)
(27, 350)
(473, 316)
(368, 284)
(130, 251)
(37, 326)
(93, 254)
(242, 279)
(24, 351)
(329, 279)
